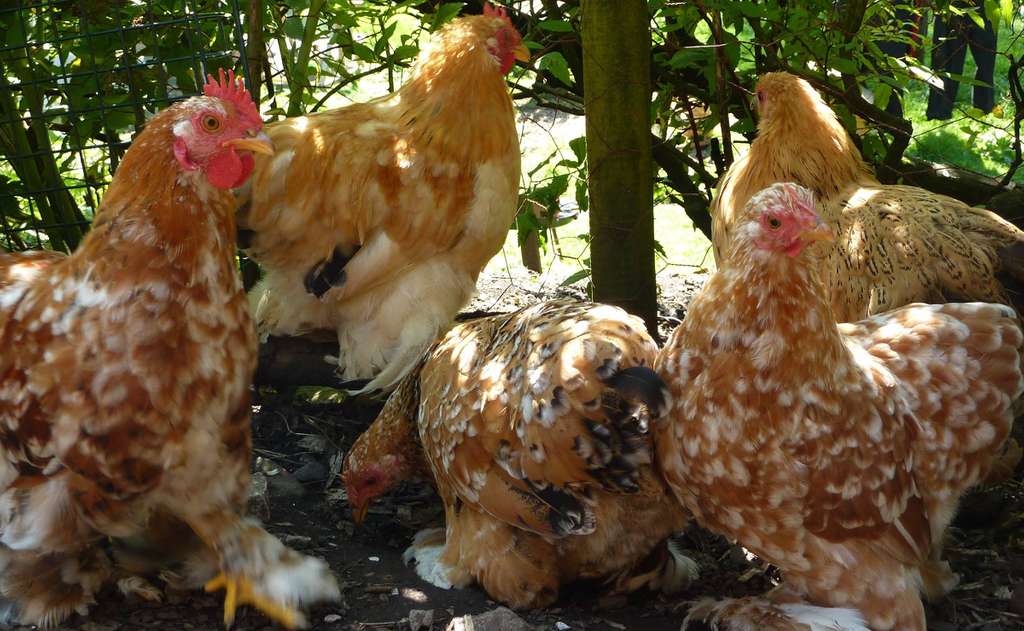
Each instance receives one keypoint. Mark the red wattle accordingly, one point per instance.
(248, 163)
(224, 169)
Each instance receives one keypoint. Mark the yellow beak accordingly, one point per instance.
(522, 53)
(359, 513)
(820, 232)
(257, 144)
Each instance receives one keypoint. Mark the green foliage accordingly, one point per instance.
(83, 74)
(78, 80)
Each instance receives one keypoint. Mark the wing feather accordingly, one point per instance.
(531, 419)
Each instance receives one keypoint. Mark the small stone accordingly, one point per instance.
(375, 559)
(296, 541)
(421, 619)
(332, 617)
(312, 471)
(285, 485)
(561, 626)
(267, 466)
(500, 619)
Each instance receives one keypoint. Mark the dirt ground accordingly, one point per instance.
(299, 446)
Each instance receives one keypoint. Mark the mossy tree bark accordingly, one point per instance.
(617, 101)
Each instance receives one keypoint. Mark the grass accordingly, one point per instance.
(970, 140)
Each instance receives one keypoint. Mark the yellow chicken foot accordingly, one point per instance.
(239, 591)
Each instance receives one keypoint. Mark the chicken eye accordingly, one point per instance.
(210, 123)
(774, 223)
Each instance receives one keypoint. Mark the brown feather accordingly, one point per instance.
(534, 425)
(836, 452)
(417, 188)
(894, 244)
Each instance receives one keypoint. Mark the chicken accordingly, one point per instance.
(21, 268)
(375, 219)
(837, 452)
(894, 244)
(534, 428)
(124, 383)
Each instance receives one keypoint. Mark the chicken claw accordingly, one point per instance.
(239, 591)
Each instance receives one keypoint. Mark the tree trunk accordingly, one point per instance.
(617, 100)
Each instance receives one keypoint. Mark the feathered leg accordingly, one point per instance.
(513, 566)
(44, 589)
(883, 590)
(258, 570)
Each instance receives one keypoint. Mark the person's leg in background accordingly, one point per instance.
(983, 42)
(948, 52)
(898, 49)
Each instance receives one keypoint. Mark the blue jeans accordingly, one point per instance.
(952, 39)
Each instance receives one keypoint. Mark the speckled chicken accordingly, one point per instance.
(894, 244)
(124, 384)
(534, 428)
(374, 220)
(837, 452)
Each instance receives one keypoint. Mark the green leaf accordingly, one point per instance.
(883, 93)
(385, 36)
(555, 26)
(294, 27)
(556, 64)
(845, 66)
(363, 52)
(976, 18)
(579, 148)
(575, 277)
(690, 57)
(404, 52)
(582, 195)
(447, 11)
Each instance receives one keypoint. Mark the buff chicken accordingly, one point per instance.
(534, 428)
(374, 220)
(893, 244)
(124, 384)
(837, 452)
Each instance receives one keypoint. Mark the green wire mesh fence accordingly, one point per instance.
(78, 78)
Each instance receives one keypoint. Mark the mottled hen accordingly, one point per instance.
(837, 452)
(124, 383)
(534, 426)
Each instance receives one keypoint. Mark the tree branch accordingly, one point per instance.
(675, 164)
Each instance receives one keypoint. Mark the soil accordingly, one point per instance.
(297, 494)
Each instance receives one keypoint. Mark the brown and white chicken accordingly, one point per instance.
(893, 244)
(374, 220)
(534, 428)
(837, 452)
(124, 384)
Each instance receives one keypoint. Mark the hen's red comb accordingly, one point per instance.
(498, 12)
(233, 91)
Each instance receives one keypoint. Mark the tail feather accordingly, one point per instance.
(666, 569)
(640, 383)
